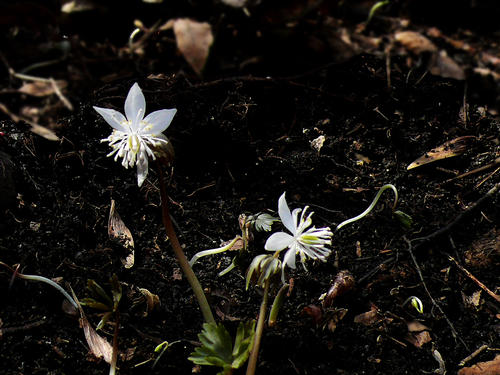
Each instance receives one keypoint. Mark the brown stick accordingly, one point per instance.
(473, 278)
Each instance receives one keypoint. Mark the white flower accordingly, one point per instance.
(308, 243)
(134, 137)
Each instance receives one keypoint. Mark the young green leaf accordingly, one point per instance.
(217, 348)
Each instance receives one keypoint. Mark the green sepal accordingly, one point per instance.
(277, 303)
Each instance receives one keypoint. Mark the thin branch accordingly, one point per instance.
(420, 275)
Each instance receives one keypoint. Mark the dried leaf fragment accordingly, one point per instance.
(414, 42)
(317, 143)
(152, 300)
(99, 346)
(118, 231)
(483, 368)
(370, 317)
(419, 339)
(193, 40)
(41, 88)
(448, 149)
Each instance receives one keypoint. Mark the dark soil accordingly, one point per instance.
(242, 136)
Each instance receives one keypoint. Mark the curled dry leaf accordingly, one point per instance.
(448, 149)
(193, 40)
(152, 300)
(343, 283)
(118, 232)
(99, 346)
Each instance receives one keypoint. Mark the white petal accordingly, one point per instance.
(142, 170)
(114, 118)
(135, 104)
(289, 258)
(285, 214)
(158, 121)
(278, 241)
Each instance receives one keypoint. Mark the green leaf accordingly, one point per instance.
(243, 343)
(404, 219)
(92, 303)
(99, 293)
(217, 348)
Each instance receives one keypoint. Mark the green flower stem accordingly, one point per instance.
(372, 205)
(179, 254)
(252, 361)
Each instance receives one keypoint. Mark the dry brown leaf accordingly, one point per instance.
(334, 317)
(118, 231)
(419, 339)
(193, 40)
(99, 346)
(152, 300)
(314, 311)
(414, 42)
(42, 131)
(483, 368)
(370, 317)
(444, 66)
(39, 88)
(448, 149)
(416, 326)
(474, 301)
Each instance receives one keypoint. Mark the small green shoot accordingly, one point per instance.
(375, 8)
(101, 300)
(218, 350)
(416, 303)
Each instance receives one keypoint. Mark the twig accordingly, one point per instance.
(473, 278)
(420, 275)
(458, 219)
(473, 355)
(24, 327)
(474, 171)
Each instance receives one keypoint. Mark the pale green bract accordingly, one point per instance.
(134, 136)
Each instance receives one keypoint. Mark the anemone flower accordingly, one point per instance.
(135, 137)
(307, 241)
